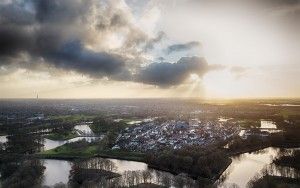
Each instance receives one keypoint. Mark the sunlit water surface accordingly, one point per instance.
(84, 130)
(50, 144)
(245, 166)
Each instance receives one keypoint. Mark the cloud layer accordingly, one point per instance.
(166, 74)
(77, 35)
(182, 47)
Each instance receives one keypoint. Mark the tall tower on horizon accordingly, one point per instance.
(37, 96)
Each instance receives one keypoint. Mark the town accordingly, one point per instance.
(174, 134)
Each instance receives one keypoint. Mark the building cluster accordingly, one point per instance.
(173, 134)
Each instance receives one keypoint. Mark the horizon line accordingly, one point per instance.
(196, 98)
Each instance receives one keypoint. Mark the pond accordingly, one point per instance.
(245, 166)
(84, 130)
(264, 124)
(56, 171)
(3, 139)
(123, 165)
(59, 170)
(223, 119)
(133, 122)
(50, 144)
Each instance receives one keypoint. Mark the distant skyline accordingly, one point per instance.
(150, 48)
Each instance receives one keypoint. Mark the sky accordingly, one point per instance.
(149, 48)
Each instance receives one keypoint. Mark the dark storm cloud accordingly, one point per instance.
(14, 39)
(182, 47)
(50, 34)
(278, 2)
(15, 14)
(56, 33)
(169, 74)
(74, 57)
(63, 11)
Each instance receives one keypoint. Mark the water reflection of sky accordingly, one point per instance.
(50, 144)
(3, 139)
(293, 105)
(245, 166)
(59, 170)
(267, 124)
(242, 169)
(83, 130)
(56, 171)
(123, 165)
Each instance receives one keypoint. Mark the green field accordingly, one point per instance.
(66, 150)
(73, 118)
(89, 150)
(59, 136)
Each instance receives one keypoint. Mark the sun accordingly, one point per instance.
(194, 77)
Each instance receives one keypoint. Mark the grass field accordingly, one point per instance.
(73, 118)
(90, 151)
(58, 136)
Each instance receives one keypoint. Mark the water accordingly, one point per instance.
(291, 105)
(242, 169)
(123, 165)
(242, 132)
(3, 139)
(56, 171)
(267, 125)
(133, 122)
(222, 119)
(59, 170)
(84, 130)
(245, 166)
(50, 144)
